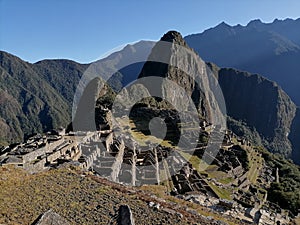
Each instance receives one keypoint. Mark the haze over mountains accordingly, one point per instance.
(269, 49)
(38, 97)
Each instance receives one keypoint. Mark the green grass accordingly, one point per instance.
(255, 165)
(80, 200)
(3, 143)
(217, 174)
(196, 162)
(221, 192)
(138, 136)
(158, 190)
(210, 170)
(226, 180)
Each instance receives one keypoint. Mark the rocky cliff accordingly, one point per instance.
(295, 137)
(185, 78)
(261, 104)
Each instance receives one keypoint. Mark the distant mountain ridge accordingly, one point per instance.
(270, 49)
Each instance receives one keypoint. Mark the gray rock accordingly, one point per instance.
(125, 216)
(50, 218)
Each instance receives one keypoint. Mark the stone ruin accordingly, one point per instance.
(41, 152)
(121, 160)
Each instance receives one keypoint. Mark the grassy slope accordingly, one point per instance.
(84, 199)
(80, 200)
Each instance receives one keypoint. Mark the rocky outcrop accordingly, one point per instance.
(125, 216)
(190, 82)
(250, 98)
(51, 218)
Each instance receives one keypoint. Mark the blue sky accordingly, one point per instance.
(83, 30)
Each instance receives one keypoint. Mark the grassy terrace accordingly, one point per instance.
(194, 160)
(221, 192)
(212, 172)
(138, 136)
(81, 200)
(255, 164)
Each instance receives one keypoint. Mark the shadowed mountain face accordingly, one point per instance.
(260, 103)
(295, 137)
(272, 50)
(63, 75)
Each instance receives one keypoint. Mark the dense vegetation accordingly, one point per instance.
(28, 103)
(241, 129)
(286, 192)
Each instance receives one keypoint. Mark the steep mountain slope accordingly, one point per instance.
(28, 103)
(257, 107)
(294, 137)
(261, 104)
(269, 49)
(128, 62)
(282, 27)
(180, 64)
(62, 75)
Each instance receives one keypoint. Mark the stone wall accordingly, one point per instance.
(116, 167)
(31, 156)
(35, 167)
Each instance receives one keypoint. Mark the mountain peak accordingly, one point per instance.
(174, 37)
(254, 23)
(223, 25)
